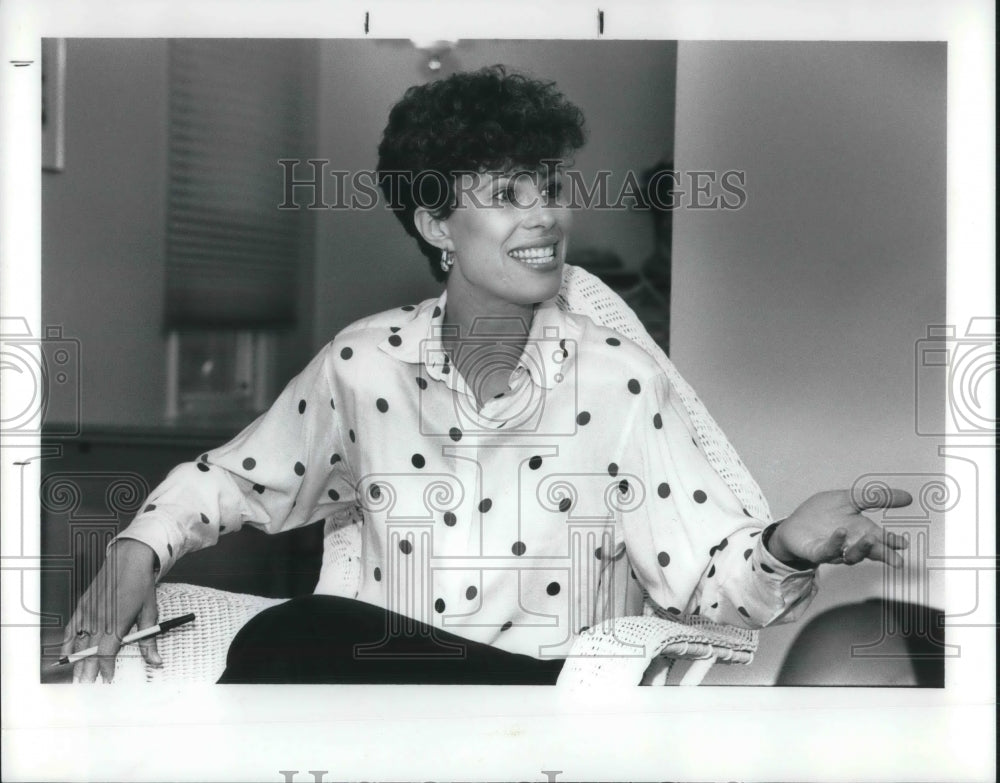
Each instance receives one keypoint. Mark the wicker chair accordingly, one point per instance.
(620, 651)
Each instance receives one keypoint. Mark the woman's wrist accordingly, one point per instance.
(774, 545)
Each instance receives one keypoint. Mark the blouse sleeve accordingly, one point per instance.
(285, 470)
(692, 546)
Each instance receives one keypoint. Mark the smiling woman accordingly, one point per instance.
(518, 473)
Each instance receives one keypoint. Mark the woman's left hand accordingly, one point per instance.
(830, 528)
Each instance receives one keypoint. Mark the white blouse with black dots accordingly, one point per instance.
(570, 497)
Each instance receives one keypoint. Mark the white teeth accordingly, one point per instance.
(534, 255)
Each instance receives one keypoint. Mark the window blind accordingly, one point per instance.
(235, 108)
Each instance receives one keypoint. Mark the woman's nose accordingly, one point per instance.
(538, 211)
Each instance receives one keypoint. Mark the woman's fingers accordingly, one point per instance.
(831, 549)
(888, 498)
(149, 616)
(860, 549)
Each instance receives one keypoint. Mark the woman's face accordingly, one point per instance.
(509, 233)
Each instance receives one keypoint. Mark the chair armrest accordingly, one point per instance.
(195, 652)
(620, 650)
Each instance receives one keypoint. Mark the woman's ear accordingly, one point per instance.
(433, 230)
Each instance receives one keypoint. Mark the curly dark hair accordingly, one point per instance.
(485, 120)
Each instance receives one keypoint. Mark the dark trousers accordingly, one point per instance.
(325, 639)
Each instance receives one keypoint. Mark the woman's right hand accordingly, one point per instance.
(122, 593)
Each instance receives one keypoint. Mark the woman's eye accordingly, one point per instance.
(504, 195)
(553, 189)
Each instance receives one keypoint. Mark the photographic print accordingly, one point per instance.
(391, 375)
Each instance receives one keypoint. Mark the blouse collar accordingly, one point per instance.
(547, 357)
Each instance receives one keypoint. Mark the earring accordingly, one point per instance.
(447, 259)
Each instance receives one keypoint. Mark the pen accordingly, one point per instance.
(145, 633)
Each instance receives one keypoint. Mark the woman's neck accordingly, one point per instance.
(485, 333)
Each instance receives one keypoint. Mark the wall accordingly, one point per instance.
(103, 227)
(796, 317)
(104, 233)
(367, 263)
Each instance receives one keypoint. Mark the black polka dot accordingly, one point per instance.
(613, 470)
(204, 458)
(506, 626)
(203, 467)
(663, 490)
(300, 469)
(346, 353)
(711, 571)
(697, 610)
(455, 434)
(439, 605)
(407, 308)
(598, 553)
(450, 519)
(302, 406)
(613, 341)
(471, 592)
(258, 488)
(437, 312)
(334, 495)
(222, 528)
(519, 548)
(150, 507)
(633, 386)
(334, 459)
(747, 553)
(673, 610)
(249, 463)
(418, 461)
(584, 629)
(204, 519)
(699, 496)
(378, 574)
(766, 568)
(485, 505)
(375, 491)
(395, 340)
(755, 533)
(334, 407)
(421, 383)
(742, 611)
(623, 486)
(553, 588)
(583, 418)
(658, 421)
(446, 369)
(564, 504)
(170, 550)
(535, 463)
(715, 605)
(405, 547)
(393, 329)
(723, 544)
(382, 405)
(352, 436)
(663, 559)
(747, 513)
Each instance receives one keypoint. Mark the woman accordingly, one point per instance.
(508, 457)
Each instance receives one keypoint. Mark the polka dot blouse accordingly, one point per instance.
(578, 493)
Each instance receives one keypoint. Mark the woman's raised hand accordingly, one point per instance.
(830, 528)
(122, 593)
